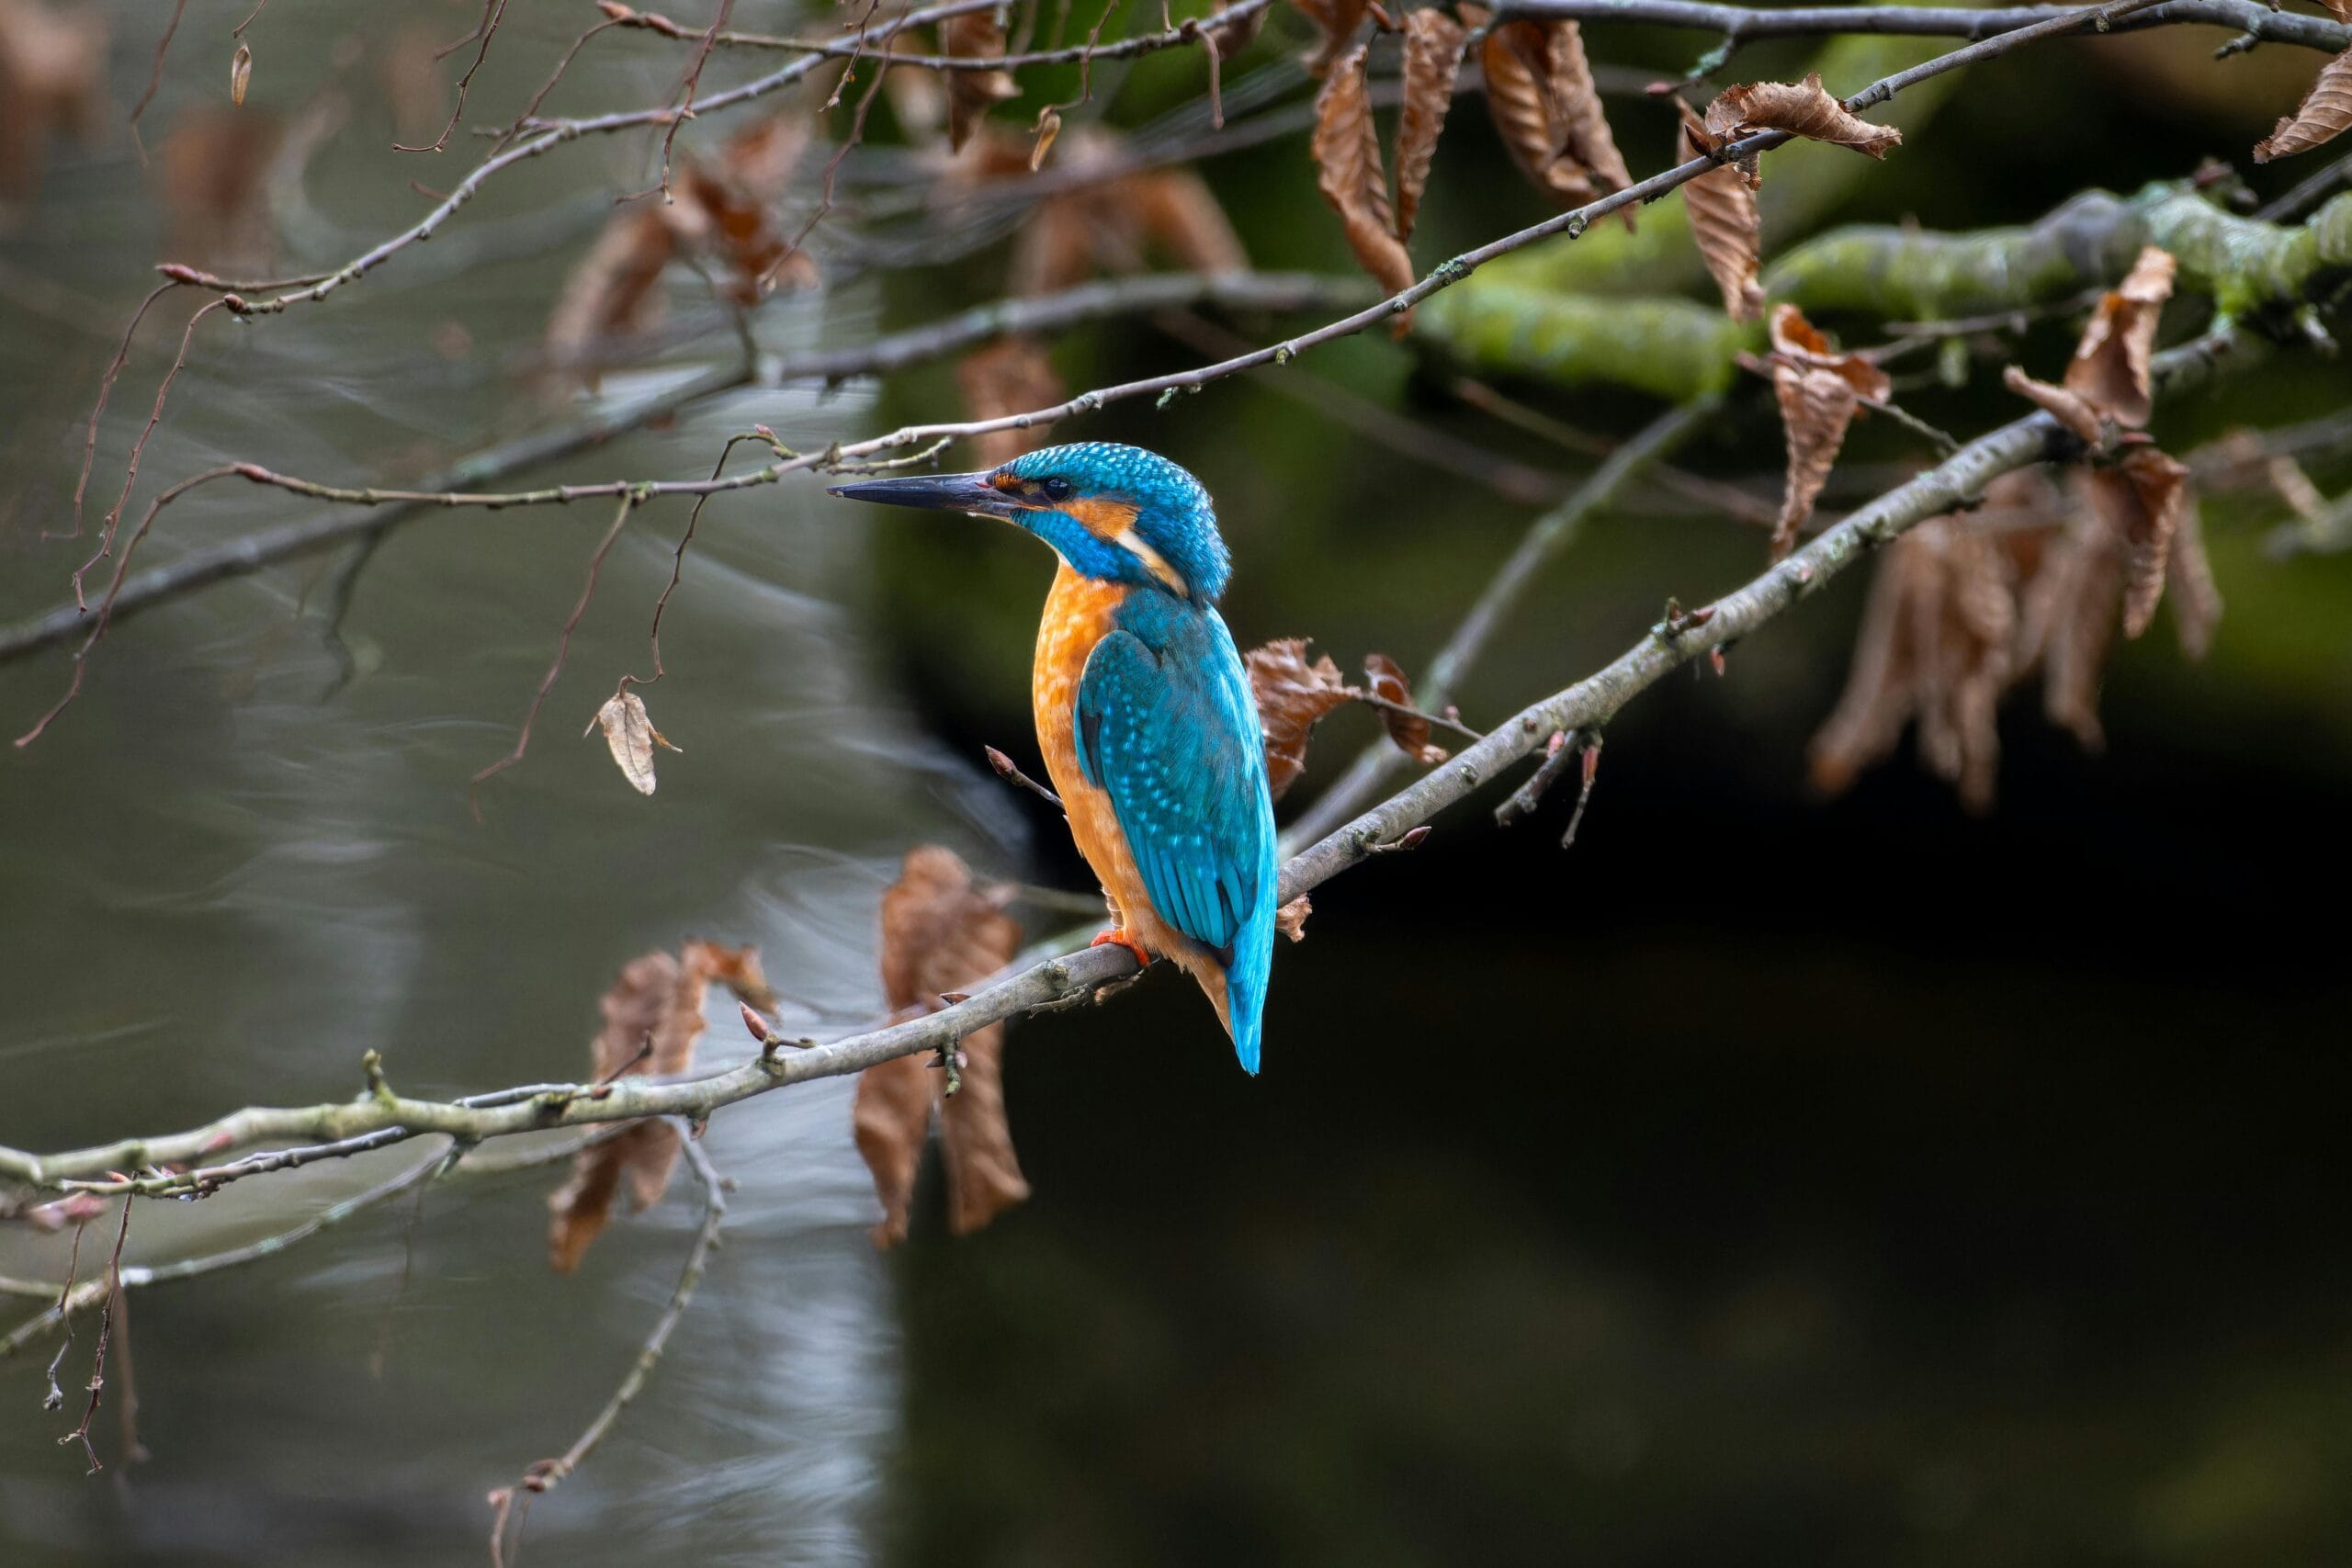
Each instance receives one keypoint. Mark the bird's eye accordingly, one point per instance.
(1055, 489)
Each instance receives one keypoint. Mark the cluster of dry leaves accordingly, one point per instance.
(653, 1015)
(1293, 695)
(1115, 224)
(1964, 606)
(721, 216)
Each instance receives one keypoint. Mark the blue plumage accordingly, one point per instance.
(1166, 728)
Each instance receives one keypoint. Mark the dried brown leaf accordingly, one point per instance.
(2111, 367)
(1515, 59)
(1801, 109)
(1229, 38)
(1936, 649)
(52, 78)
(1291, 696)
(2068, 618)
(612, 294)
(1726, 224)
(1579, 126)
(631, 736)
(2142, 500)
(1173, 212)
(1291, 918)
(1819, 390)
(1348, 171)
(1410, 731)
(1433, 43)
(974, 35)
(214, 177)
(2322, 116)
(2195, 598)
(1010, 375)
(241, 75)
(1541, 95)
(2069, 409)
(941, 933)
(652, 1017)
(1337, 22)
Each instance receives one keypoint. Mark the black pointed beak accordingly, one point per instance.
(935, 492)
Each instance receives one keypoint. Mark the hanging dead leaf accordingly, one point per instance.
(1410, 730)
(612, 294)
(1337, 22)
(213, 172)
(2196, 597)
(2142, 499)
(1119, 222)
(652, 1017)
(1726, 226)
(1291, 918)
(1433, 43)
(2109, 376)
(1011, 376)
(1936, 648)
(941, 933)
(2069, 620)
(630, 735)
(1541, 95)
(1291, 696)
(1231, 36)
(52, 78)
(1801, 109)
(1348, 171)
(2322, 116)
(1819, 390)
(241, 75)
(1578, 119)
(974, 35)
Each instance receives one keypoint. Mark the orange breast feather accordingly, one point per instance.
(1078, 614)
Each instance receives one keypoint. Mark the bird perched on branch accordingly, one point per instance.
(1144, 711)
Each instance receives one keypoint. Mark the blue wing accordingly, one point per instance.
(1167, 730)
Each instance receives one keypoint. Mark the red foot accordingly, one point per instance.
(1118, 937)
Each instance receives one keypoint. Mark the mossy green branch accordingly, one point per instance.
(1675, 349)
(2243, 264)
(1509, 323)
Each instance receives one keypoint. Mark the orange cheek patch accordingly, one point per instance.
(1103, 519)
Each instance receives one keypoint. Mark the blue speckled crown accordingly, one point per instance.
(1174, 513)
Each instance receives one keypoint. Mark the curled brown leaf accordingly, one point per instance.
(941, 933)
(652, 1017)
(1337, 20)
(631, 736)
(974, 35)
(1349, 173)
(1410, 731)
(1541, 95)
(1936, 650)
(2143, 500)
(1819, 390)
(2322, 116)
(1291, 696)
(1726, 224)
(1433, 43)
(1802, 109)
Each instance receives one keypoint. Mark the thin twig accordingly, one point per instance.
(547, 1474)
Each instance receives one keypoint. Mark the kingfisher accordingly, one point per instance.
(1144, 711)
